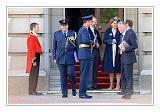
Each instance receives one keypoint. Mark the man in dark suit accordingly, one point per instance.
(129, 24)
(94, 34)
(128, 58)
(64, 51)
(84, 55)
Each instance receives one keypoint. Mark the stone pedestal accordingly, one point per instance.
(18, 83)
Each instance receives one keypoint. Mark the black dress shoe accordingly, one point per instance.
(74, 93)
(35, 93)
(120, 93)
(128, 96)
(123, 96)
(64, 96)
(96, 88)
(85, 97)
(90, 88)
(38, 93)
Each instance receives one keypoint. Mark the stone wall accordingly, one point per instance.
(142, 19)
(18, 29)
(145, 48)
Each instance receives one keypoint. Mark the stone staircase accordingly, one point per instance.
(54, 80)
(103, 79)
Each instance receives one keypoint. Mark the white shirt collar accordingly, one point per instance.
(65, 32)
(92, 28)
(124, 32)
(129, 28)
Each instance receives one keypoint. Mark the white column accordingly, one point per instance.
(47, 39)
(124, 14)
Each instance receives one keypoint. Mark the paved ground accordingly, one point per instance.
(98, 99)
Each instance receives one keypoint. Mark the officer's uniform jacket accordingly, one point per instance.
(64, 48)
(84, 42)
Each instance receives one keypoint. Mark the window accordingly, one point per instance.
(107, 13)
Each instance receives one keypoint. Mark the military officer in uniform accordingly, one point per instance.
(64, 51)
(85, 57)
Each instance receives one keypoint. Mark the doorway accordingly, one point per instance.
(74, 15)
(103, 15)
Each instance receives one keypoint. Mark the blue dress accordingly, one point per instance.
(108, 57)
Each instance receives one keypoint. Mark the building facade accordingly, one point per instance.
(18, 29)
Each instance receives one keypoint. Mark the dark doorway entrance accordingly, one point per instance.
(103, 16)
(74, 15)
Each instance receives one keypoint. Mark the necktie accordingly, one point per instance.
(66, 41)
(95, 35)
(65, 35)
(122, 38)
(94, 32)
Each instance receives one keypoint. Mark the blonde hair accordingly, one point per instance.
(114, 19)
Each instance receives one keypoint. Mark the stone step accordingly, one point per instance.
(54, 89)
(54, 80)
(57, 86)
(135, 87)
(55, 83)
(135, 77)
(55, 68)
(55, 72)
(136, 91)
(135, 72)
(54, 76)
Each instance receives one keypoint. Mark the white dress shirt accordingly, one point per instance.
(95, 35)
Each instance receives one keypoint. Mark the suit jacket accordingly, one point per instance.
(34, 47)
(84, 38)
(92, 35)
(59, 42)
(129, 57)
